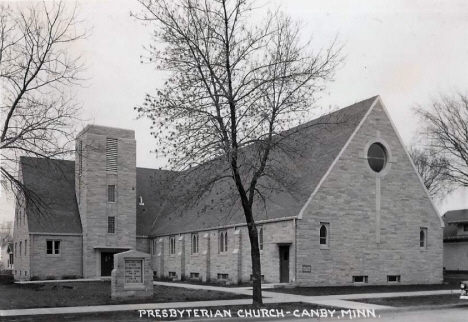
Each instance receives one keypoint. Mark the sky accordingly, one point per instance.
(408, 52)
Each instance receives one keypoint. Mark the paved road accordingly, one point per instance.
(459, 314)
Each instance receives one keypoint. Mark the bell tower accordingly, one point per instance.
(105, 172)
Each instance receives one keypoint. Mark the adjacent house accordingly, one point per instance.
(355, 211)
(6, 255)
(456, 240)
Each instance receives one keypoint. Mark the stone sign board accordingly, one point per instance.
(132, 275)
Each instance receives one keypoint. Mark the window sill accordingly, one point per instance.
(324, 247)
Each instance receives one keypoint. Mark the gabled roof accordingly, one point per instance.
(52, 182)
(452, 217)
(309, 152)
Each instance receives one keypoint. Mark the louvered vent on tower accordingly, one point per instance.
(111, 154)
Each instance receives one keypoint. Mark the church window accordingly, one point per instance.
(111, 193)
(53, 247)
(194, 243)
(223, 241)
(377, 157)
(324, 235)
(153, 244)
(423, 238)
(111, 225)
(172, 245)
(260, 238)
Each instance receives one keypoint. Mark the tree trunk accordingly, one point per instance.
(256, 265)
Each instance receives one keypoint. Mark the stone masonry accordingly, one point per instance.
(91, 187)
(132, 276)
(347, 202)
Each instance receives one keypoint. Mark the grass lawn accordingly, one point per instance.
(134, 316)
(445, 299)
(334, 290)
(25, 296)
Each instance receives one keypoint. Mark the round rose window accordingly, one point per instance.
(377, 157)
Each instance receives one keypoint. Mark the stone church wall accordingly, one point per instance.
(347, 201)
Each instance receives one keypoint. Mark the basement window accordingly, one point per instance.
(360, 279)
(172, 274)
(393, 278)
(194, 275)
(223, 276)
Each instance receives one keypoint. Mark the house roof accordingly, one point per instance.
(52, 182)
(451, 218)
(168, 206)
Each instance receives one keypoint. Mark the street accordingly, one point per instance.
(457, 314)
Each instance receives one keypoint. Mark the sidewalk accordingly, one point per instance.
(341, 301)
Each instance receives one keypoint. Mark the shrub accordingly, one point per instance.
(50, 277)
(35, 278)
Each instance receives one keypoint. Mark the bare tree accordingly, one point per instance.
(433, 170)
(36, 73)
(6, 230)
(233, 87)
(446, 133)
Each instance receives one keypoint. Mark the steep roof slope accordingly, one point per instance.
(454, 216)
(307, 153)
(151, 186)
(52, 182)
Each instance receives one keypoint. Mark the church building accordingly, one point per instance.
(358, 214)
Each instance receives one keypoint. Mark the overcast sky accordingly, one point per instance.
(408, 52)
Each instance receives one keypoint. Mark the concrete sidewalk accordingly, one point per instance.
(341, 301)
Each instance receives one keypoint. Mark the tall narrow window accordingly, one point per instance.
(423, 238)
(194, 243)
(15, 250)
(260, 238)
(25, 248)
(172, 245)
(223, 241)
(111, 154)
(154, 246)
(20, 248)
(111, 193)
(111, 225)
(80, 157)
(324, 234)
